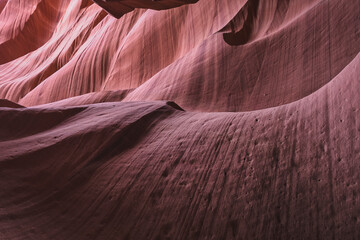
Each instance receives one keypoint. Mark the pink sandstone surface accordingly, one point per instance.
(179, 119)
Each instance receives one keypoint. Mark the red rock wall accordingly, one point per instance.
(217, 119)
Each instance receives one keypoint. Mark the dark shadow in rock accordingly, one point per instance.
(241, 26)
(9, 104)
(174, 105)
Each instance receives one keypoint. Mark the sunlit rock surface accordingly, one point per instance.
(180, 119)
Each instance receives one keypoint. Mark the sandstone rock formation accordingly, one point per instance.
(209, 119)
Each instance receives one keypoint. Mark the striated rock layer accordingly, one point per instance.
(209, 119)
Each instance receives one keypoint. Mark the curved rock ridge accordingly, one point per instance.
(258, 19)
(156, 172)
(179, 119)
(26, 25)
(274, 70)
(83, 56)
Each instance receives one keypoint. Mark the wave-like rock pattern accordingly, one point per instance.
(213, 119)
